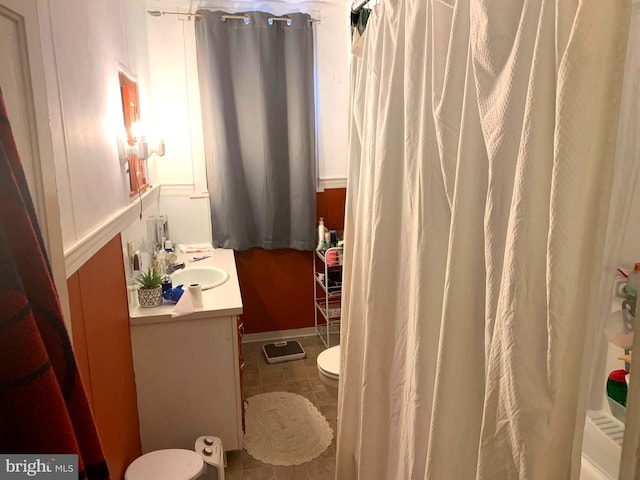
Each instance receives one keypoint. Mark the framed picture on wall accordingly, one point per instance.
(131, 115)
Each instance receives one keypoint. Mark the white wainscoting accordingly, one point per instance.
(188, 213)
(82, 250)
(329, 183)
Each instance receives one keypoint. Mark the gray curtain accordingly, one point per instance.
(257, 95)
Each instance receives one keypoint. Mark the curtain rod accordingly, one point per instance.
(159, 13)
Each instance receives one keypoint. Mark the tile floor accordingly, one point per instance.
(301, 377)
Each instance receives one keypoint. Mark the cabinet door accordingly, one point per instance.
(188, 383)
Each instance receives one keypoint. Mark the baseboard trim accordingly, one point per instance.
(278, 335)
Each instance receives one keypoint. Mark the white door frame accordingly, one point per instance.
(31, 18)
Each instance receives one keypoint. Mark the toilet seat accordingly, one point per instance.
(171, 464)
(329, 375)
(329, 362)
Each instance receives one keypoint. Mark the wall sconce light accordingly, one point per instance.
(140, 149)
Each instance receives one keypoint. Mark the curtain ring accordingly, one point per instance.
(270, 20)
(245, 18)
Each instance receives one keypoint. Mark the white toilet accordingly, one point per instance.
(205, 463)
(329, 367)
(172, 464)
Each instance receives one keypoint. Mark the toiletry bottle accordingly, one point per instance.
(136, 263)
(161, 261)
(617, 387)
(633, 282)
(130, 250)
(154, 263)
(321, 230)
(166, 283)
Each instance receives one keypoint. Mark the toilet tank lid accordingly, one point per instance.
(329, 360)
(171, 464)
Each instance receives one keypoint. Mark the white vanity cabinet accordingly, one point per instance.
(188, 369)
(188, 382)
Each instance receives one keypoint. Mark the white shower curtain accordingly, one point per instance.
(481, 147)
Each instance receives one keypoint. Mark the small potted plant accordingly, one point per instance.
(150, 291)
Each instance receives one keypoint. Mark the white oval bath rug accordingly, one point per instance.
(285, 429)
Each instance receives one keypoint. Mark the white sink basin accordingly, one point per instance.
(208, 277)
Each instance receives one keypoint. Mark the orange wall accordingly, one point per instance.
(330, 205)
(101, 339)
(79, 334)
(277, 285)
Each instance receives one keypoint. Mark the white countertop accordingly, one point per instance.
(223, 300)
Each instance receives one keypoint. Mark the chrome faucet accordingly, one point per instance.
(173, 267)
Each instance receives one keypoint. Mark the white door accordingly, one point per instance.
(15, 84)
(22, 79)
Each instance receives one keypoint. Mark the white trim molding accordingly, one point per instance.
(182, 190)
(200, 195)
(177, 190)
(329, 183)
(77, 254)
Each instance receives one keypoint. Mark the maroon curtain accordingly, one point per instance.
(43, 404)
